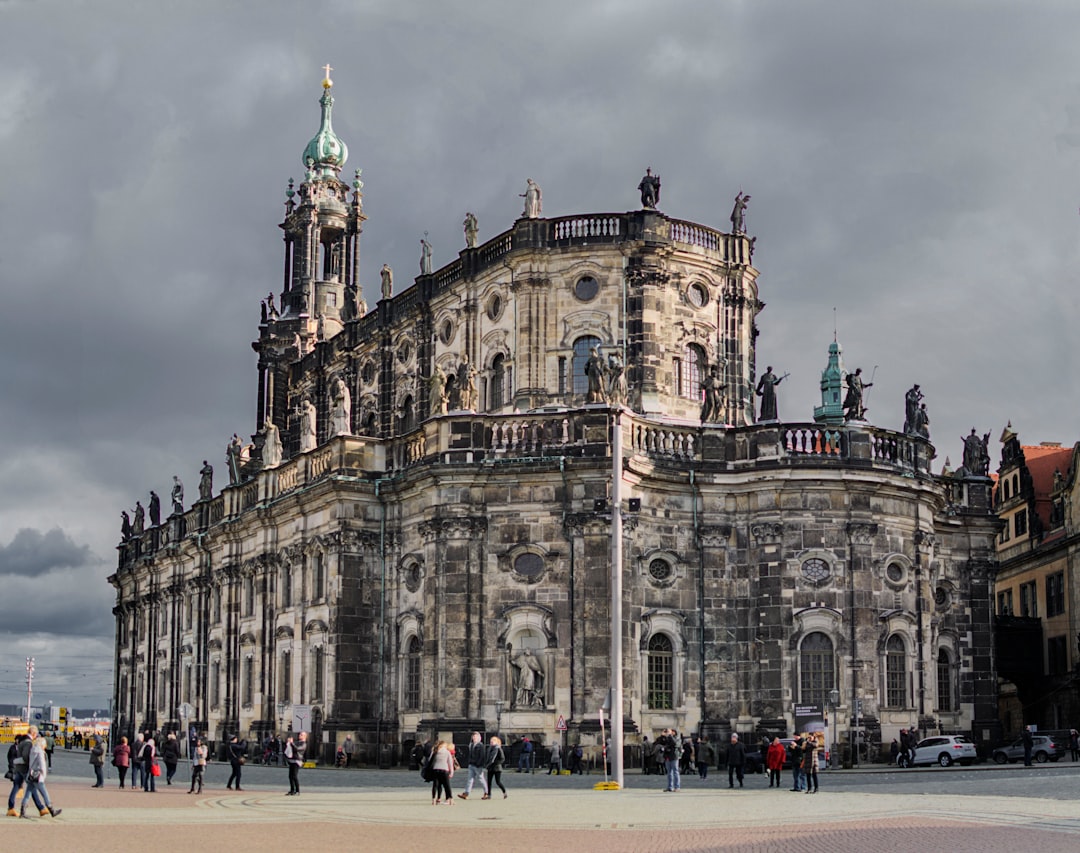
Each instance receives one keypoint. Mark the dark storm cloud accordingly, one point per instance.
(912, 166)
(35, 554)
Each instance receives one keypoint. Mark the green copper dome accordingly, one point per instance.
(326, 153)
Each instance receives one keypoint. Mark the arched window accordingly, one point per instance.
(215, 684)
(693, 369)
(498, 382)
(163, 683)
(408, 416)
(249, 595)
(895, 672)
(946, 689)
(816, 669)
(581, 357)
(661, 674)
(248, 677)
(412, 674)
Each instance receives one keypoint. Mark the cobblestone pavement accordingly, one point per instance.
(645, 819)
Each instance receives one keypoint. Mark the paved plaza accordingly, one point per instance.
(863, 810)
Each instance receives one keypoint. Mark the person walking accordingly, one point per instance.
(146, 758)
(477, 757)
(810, 764)
(198, 766)
(704, 755)
(294, 757)
(20, 764)
(555, 759)
(348, 747)
(236, 751)
(121, 759)
(97, 761)
(496, 762)
(136, 761)
(736, 761)
(1074, 745)
(525, 757)
(1029, 744)
(670, 747)
(576, 755)
(37, 770)
(170, 754)
(774, 761)
(442, 771)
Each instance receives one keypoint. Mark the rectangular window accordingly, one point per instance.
(249, 596)
(188, 696)
(317, 680)
(1005, 603)
(562, 374)
(1029, 605)
(286, 586)
(1056, 656)
(286, 677)
(1020, 523)
(249, 680)
(318, 577)
(945, 682)
(163, 684)
(1055, 594)
(215, 684)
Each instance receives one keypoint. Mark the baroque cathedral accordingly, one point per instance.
(417, 541)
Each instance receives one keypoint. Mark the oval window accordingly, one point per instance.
(586, 288)
(529, 565)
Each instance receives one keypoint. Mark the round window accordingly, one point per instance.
(529, 565)
(367, 372)
(495, 306)
(815, 570)
(660, 570)
(446, 331)
(941, 598)
(404, 353)
(586, 288)
(697, 295)
(894, 572)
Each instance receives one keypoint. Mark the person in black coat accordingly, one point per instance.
(235, 752)
(736, 760)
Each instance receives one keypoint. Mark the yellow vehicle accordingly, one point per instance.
(10, 727)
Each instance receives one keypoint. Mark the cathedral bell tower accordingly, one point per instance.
(320, 293)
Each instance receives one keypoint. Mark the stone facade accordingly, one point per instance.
(444, 565)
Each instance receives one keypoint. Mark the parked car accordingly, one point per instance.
(945, 750)
(1044, 748)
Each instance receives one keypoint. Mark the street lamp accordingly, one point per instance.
(834, 700)
(498, 717)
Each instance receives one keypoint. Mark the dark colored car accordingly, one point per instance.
(1044, 748)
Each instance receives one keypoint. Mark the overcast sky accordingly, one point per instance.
(912, 165)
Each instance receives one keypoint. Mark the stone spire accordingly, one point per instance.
(326, 153)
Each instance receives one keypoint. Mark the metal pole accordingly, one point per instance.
(616, 601)
(29, 685)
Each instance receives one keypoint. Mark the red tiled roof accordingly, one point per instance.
(1042, 461)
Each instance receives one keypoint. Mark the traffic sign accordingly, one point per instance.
(561, 725)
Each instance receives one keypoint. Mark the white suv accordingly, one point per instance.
(944, 750)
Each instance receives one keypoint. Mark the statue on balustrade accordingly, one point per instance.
(308, 425)
(437, 401)
(271, 309)
(466, 382)
(534, 199)
(139, 523)
(712, 407)
(922, 422)
(155, 509)
(125, 526)
(596, 373)
(271, 451)
(854, 406)
(529, 683)
(616, 382)
(177, 495)
(650, 190)
(386, 279)
(766, 390)
(233, 453)
(472, 230)
(425, 256)
(342, 408)
(738, 214)
(912, 398)
(206, 481)
(976, 454)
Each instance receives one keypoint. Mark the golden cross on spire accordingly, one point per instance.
(327, 82)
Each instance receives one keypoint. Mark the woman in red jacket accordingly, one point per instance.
(121, 758)
(774, 761)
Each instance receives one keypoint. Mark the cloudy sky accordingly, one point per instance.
(913, 166)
